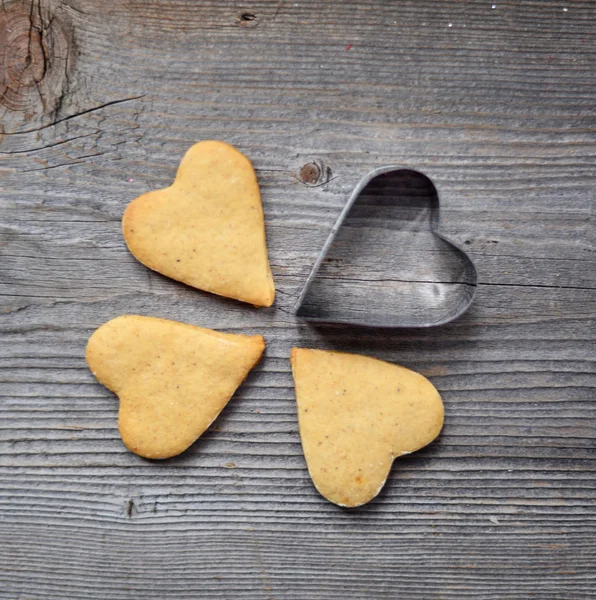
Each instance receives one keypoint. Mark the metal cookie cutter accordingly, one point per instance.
(385, 264)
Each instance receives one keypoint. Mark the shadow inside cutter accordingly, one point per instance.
(385, 264)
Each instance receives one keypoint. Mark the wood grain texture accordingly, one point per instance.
(495, 104)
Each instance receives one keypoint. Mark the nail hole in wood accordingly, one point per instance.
(248, 19)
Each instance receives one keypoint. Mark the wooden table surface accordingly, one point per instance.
(494, 100)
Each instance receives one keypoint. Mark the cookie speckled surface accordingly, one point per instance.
(356, 415)
(172, 379)
(207, 229)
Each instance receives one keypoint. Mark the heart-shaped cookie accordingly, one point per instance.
(207, 229)
(385, 264)
(172, 379)
(356, 415)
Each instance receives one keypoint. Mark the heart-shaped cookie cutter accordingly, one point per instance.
(448, 300)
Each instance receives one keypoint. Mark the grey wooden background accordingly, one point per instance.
(493, 100)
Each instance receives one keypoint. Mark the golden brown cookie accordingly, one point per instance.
(356, 415)
(207, 229)
(172, 379)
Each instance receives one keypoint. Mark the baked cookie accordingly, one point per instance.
(356, 415)
(172, 379)
(207, 229)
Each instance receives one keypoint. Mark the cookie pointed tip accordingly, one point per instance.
(259, 341)
(268, 294)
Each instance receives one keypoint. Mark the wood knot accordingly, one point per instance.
(315, 173)
(248, 19)
(35, 60)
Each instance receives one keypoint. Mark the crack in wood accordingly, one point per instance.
(48, 146)
(78, 114)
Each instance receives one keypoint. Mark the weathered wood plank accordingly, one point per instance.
(497, 108)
